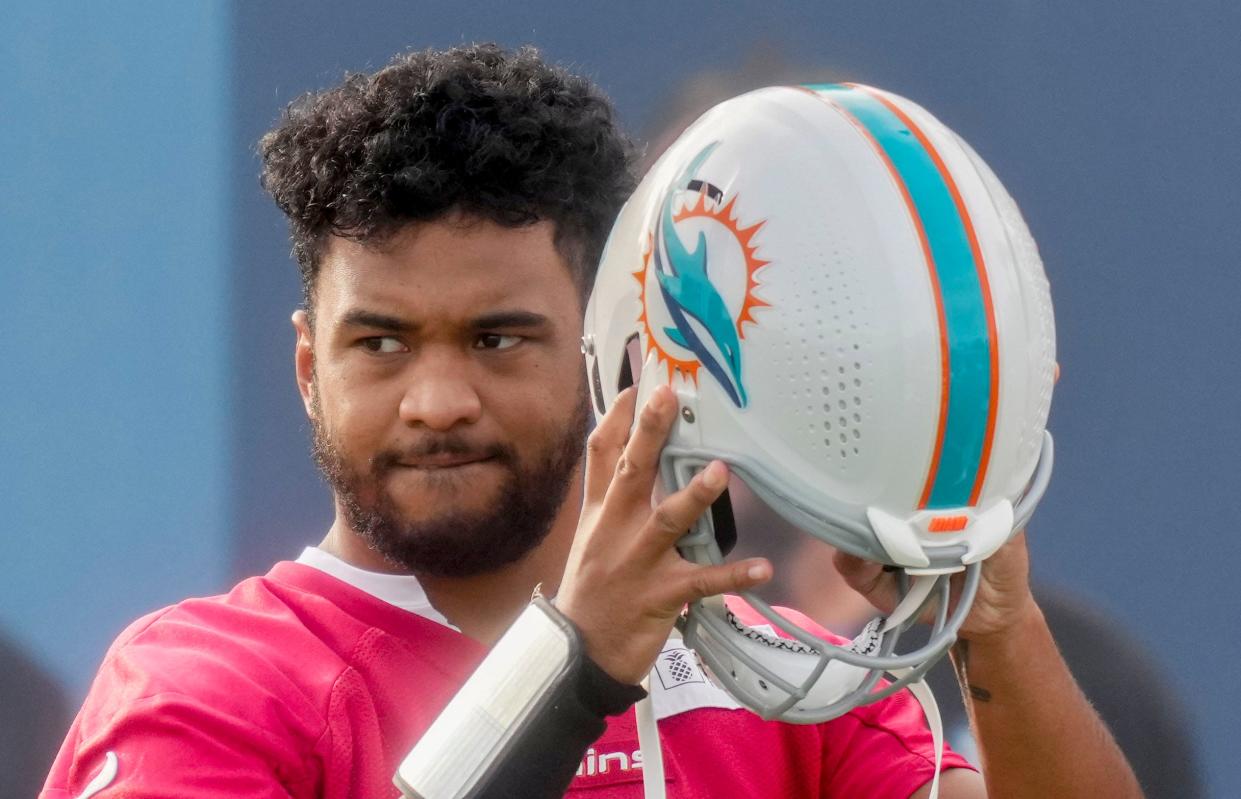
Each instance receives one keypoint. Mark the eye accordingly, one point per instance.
(382, 344)
(496, 341)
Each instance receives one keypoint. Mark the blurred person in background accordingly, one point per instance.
(33, 718)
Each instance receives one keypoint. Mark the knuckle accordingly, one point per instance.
(701, 584)
(597, 443)
(651, 419)
(631, 467)
(665, 520)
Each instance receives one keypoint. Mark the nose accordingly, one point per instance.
(440, 394)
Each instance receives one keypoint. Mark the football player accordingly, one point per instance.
(448, 212)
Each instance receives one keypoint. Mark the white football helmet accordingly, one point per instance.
(854, 317)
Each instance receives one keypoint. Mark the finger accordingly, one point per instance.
(606, 443)
(637, 465)
(867, 578)
(677, 514)
(724, 578)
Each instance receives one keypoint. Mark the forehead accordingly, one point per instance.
(449, 269)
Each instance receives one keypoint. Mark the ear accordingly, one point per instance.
(304, 357)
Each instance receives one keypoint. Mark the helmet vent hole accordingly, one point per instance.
(826, 356)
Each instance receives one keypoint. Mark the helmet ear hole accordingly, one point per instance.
(631, 364)
(725, 523)
(596, 386)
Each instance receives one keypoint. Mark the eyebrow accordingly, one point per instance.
(509, 319)
(363, 318)
(359, 317)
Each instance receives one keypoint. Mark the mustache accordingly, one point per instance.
(443, 444)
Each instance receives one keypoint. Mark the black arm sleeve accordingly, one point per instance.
(542, 763)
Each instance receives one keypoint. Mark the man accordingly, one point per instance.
(447, 213)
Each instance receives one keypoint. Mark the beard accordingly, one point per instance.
(454, 542)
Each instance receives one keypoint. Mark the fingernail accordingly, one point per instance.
(715, 476)
(757, 572)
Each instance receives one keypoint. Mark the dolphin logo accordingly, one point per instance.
(689, 294)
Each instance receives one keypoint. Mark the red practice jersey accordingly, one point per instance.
(299, 684)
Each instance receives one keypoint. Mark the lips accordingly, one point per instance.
(445, 460)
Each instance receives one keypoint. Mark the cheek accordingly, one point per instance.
(356, 414)
(541, 406)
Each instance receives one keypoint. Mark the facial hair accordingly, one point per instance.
(454, 542)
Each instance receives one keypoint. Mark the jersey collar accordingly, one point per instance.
(402, 590)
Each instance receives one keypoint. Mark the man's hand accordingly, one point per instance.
(1037, 734)
(625, 584)
(1003, 601)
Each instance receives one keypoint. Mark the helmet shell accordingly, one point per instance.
(851, 311)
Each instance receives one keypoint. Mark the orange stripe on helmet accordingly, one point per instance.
(985, 285)
(945, 373)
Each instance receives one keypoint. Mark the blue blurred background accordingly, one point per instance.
(153, 445)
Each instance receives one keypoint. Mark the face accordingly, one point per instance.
(445, 387)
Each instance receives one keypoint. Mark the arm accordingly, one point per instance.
(169, 745)
(189, 704)
(521, 723)
(1036, 732)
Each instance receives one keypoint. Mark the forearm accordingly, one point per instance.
(1037, 733)
(520, 725)
(543, 762)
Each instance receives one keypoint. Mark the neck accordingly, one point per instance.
(484, 605)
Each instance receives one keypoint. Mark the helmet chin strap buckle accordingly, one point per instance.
(914, 542)
(991, 529)
(898, 537)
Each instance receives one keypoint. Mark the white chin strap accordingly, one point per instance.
(909, 605)
(922, 692)
(648, 744)
(834, 681)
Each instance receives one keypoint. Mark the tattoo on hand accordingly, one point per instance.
(960, 660)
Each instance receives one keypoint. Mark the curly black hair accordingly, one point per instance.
(478, 129)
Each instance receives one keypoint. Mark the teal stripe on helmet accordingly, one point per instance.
(965, 311)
